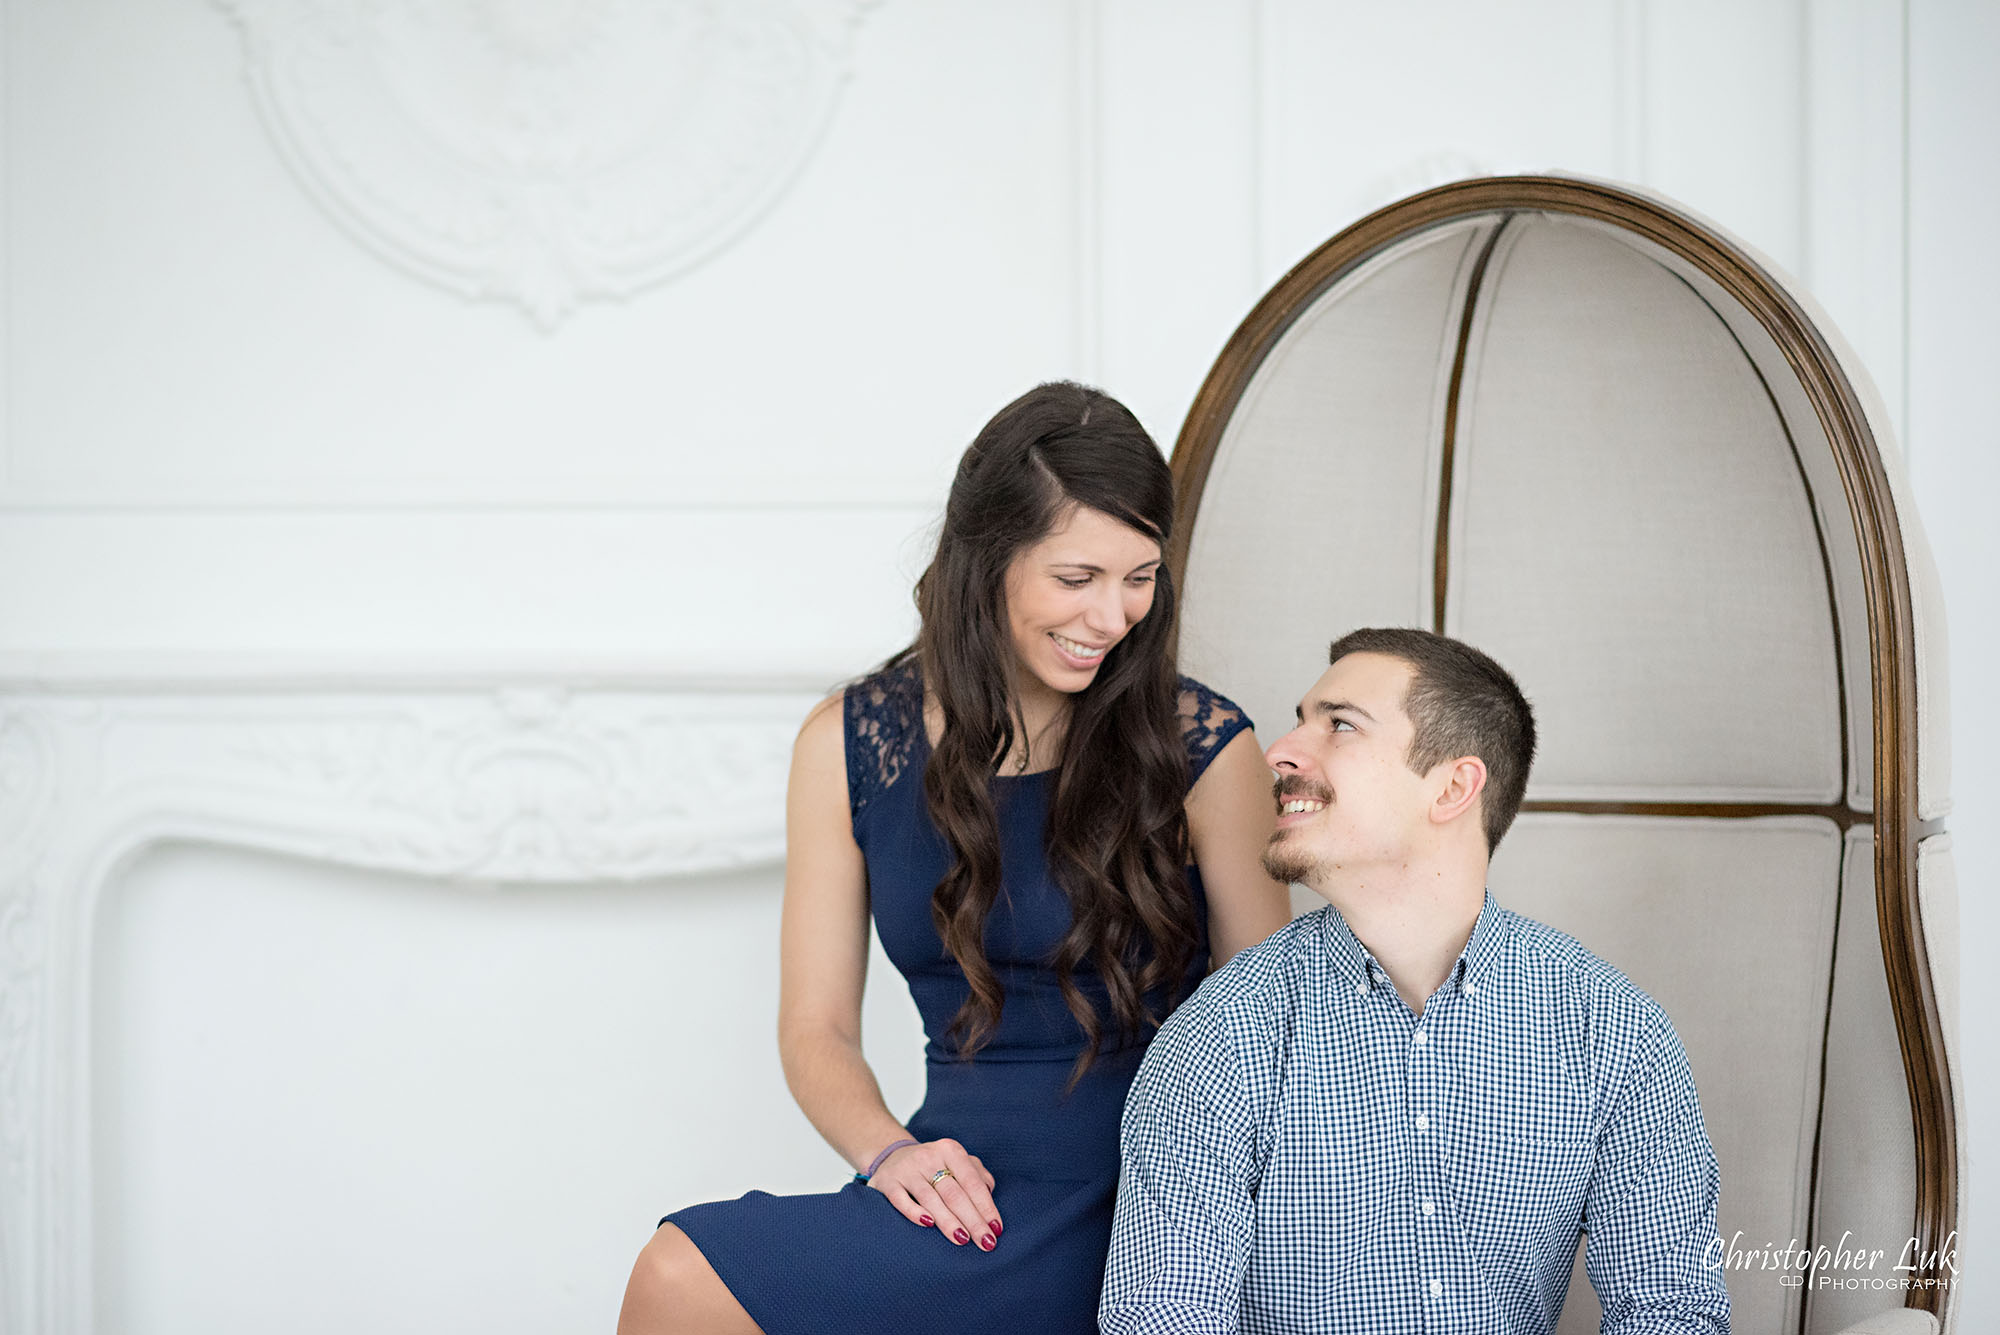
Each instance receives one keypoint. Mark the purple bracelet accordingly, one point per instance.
(897, 1145)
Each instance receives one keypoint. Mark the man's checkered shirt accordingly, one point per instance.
(1302, 1152)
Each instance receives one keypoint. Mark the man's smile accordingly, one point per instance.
(1299, 799)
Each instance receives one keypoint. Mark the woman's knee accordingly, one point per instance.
(673, 1289)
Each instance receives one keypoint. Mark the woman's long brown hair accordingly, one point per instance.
(1117, 831)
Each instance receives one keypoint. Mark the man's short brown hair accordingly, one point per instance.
(1462, 703)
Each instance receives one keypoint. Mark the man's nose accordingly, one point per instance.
(1281, 755)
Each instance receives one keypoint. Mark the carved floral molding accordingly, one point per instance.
(546, 152)
(479, 780)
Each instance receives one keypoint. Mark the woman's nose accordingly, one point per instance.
(1106, 613)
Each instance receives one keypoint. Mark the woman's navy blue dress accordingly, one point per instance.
(847, 1260)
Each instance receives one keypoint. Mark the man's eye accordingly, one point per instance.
(1340, 723)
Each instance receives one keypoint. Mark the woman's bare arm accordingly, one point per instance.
(1230, 818)
(823, 950)
(823, 965)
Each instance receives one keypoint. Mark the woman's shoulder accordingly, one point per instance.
(1209, 719)
(882, 719)
(894, 690)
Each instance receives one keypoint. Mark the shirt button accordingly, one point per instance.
(1437, 1288)
(1362, 988)
(1423, 1122)
(1471, 990)
(1430, 1206)
(1421, 1038)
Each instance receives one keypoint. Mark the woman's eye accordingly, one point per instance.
(1069, 583)
(1141, 581)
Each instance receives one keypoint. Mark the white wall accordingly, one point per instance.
(245, 439)
(1954, 185)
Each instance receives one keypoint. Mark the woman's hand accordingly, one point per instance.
(958, 1204)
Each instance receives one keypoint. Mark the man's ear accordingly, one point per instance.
(1464, 781)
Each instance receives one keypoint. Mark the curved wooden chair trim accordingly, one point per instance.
(1891, 621)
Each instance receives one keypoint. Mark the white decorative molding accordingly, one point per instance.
(1265, 119)
(1630, 90)
(1854, 252)
(1087, 140)
(7, 160)
(546, 152)
(477, 779)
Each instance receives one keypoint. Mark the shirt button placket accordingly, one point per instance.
(1431, 1234)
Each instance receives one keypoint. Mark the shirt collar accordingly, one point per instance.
(1476, 963)
(1350, 957)
(1473, 968)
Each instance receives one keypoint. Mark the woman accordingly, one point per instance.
(1016, 799)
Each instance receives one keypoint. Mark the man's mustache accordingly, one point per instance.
(1290, 786)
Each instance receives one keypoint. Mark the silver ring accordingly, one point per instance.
(941, 1174)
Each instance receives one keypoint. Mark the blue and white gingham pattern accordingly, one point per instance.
(1302, 1152)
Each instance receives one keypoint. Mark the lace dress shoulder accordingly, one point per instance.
(1208, 720)
(882, 720)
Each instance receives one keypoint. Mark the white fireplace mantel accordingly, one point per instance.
(549, 773)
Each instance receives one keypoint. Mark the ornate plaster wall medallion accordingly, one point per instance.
(546, 152)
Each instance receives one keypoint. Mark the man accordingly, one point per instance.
(1397, 1113)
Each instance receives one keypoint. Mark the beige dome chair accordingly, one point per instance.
(1605, 441)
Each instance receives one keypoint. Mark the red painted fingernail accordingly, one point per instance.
(996, 1226)
(927, 1221)
(986, 1243)
(961, 1237)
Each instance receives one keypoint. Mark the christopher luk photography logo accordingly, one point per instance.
(1841, 1266)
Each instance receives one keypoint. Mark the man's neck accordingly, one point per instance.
(1415, 925)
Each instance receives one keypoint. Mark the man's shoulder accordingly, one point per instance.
(1271, 968)
(1233, 1034)
(1259, 986)
(1556, 960)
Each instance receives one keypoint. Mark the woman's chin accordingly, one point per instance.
(1068, 680)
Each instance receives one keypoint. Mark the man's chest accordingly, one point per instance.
(1477, 1127)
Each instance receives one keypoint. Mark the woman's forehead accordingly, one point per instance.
(1090, 535)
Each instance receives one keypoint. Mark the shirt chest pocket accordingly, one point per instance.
(1524, 1150)
(1513, 1093)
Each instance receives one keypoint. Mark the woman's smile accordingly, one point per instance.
(1083, 657)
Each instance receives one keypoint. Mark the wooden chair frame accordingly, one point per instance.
(1891, 621)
